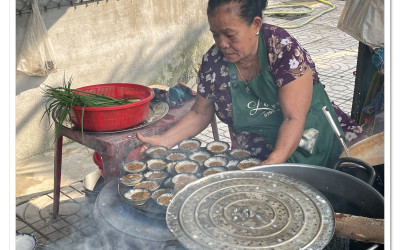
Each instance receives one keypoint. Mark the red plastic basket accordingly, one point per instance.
(114, 117)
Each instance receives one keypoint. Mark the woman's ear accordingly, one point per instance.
(257, 22)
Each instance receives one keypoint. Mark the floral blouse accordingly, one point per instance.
(287, 61)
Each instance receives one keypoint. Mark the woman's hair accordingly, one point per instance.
(248, 9)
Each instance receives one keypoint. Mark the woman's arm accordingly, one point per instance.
(295, 99)
(195, 121)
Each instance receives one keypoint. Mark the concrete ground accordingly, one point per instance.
(335, 54)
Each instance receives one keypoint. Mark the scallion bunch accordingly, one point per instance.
(62, 99)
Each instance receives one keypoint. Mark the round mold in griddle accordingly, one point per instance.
(187, 166)
(214, 170)
(240, 154)
(136, 166)
(130, 179)
(247, 163)
(160, 191)
(250, 210)
(189, 144)
(200, 156)
(137, 196)
(156, 152)
(156, 164)
(175, 155)
(216, 161)
(165, 199)
(217, 147)
(156, 175)
(150, 185)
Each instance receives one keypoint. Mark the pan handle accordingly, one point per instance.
(359, 163)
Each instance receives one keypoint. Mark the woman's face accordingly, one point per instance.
(232, 35)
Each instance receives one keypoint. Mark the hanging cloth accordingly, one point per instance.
(256, 109)
(373, 103)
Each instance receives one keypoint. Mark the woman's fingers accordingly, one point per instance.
(142, 149)
(145, 144)
(142, 138)
(154, 140)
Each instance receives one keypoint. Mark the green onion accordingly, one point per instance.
(62, 99)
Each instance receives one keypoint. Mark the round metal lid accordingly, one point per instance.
(248, 210)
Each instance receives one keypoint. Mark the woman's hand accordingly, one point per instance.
(266, 162)
(148, 141)
(195, 121)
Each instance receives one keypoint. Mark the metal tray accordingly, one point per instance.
(250, 210)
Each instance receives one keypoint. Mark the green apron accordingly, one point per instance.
(256, 109)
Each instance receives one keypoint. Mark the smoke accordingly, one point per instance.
(113, 225)
(84, 242)
(105, 239)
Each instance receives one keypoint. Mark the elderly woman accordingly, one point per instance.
(260, 81)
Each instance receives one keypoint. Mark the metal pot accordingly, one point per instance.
(363, 170)
(346, 193)
(371, 150)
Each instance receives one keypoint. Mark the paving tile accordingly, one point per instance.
(67, 230)
(67, 190)
(207, 131)
(20, 210)
(41, 224)
(26, 230)
(56, 235)
(32, 214)
(83, 223)
(40, 240)
(77, 185)
(69, 208)
(72, 219)
(226, 135)
(20, 224)
(339, 88)
(60, 241)
(47, 230)
(76, 195)
(86, 211)
(60, 224)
